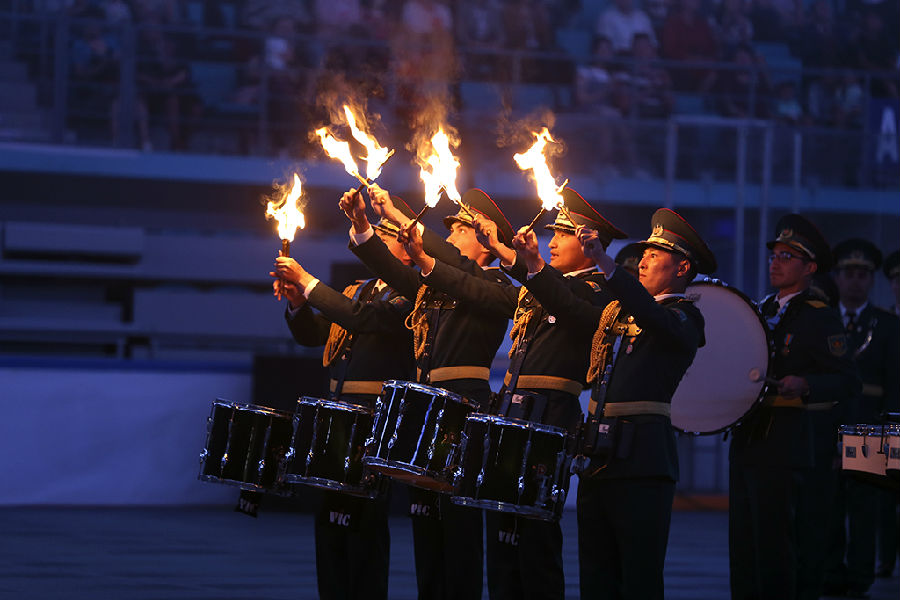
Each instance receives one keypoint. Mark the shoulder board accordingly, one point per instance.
(594, 285)
(817, 304)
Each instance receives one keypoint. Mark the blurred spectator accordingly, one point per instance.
(849, 101)
(335, 18)
(117, 11)
(527, 25)
(260, 14)
(787, 108)
(743, 92)
(621, 22)
(872, 50)
(820, 43)
(650, 84)
(767, 23)
(658, 11)
(480, 29)
(166, 89)
(601, 90)
(732, 27)
(168, 12)
(687, 36)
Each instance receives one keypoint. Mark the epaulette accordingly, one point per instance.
(817, 304)
(594, 285)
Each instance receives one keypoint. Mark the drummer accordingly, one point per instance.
(365, 343)
(548, 364)
(455, 343)
(892, 272)
(781, 456)
(874, 342)
(626, 490)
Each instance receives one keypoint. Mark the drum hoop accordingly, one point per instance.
(333, 404)
(517, 423)
(528, 512)
(428, 389)
(250, 407)
(770, 346)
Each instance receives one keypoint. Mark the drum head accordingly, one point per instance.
(728, 374)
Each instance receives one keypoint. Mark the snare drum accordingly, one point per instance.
(244, 445)
(416, 434)
(327, 446)
(863, 452)
(892, 442)
(514, 466)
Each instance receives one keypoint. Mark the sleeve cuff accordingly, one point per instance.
(310, 287)
(358, 239)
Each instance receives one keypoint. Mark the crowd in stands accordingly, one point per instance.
(639, 56)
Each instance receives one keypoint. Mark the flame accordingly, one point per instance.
(338, 150)
(439, 170)
(287, 213)
(376, 156)
(535, 160)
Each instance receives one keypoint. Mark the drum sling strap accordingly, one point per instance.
(340, 342)
(424, 323)
(521, 405)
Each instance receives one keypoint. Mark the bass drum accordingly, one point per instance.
(727, 377)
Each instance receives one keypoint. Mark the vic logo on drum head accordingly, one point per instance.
(339, 518)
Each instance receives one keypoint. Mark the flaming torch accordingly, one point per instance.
(548, 192)
(376, 155)
(438, 172)
(339, 150)
(288, 215)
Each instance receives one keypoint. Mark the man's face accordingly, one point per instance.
(662, 272)
(566, 254)
(789, 267)
(394, 246)
(854, 284)
(463, 237)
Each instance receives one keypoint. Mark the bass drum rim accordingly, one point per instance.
(770, 351)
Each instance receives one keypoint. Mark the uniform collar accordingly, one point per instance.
(856, 312)
(787, 298)
(661, 297)
(593, 269)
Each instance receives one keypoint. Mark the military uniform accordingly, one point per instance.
(365, 343)
(548, 365)
(625, 493)
(456, 342)
(782, 454)
(874, 343)
(888, 518)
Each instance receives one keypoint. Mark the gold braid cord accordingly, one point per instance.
(599, 346)
(338, 337)
(520, 322)
(417, 321)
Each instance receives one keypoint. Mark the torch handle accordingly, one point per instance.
(421, 214)
(362, 179)
(285, 251)
(534, 221)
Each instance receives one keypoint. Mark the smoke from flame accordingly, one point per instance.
(535, 159)
(287, 212)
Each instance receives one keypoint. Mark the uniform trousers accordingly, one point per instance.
(353, 547)
(851, 560)
(524, 558)
(449, 551)
(762, 534)
(888, 530)
(623, 530)
(815, 504)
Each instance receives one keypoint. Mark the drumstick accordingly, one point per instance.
(755, 375)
